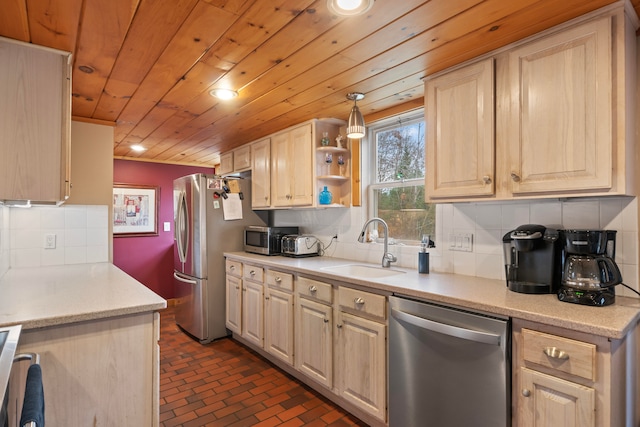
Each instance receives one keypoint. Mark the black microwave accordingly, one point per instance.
(265, 240)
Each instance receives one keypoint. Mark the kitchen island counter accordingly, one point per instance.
(57, 295)
(467, 292)
(96, 330)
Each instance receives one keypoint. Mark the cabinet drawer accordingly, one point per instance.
(233, 267)
(251, 272)
(313, 289)
(559, 353)
(278, 279)
(363, 302)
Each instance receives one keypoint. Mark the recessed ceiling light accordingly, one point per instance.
(138, 148)
(349, 7)
(223, 94)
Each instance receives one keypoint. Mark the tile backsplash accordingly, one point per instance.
(487, 222)
(81, 235)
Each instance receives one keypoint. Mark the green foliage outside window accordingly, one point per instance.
(398, 192)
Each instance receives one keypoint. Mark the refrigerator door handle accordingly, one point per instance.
(182, 279)
(181, 228)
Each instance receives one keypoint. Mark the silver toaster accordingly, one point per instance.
(296, 245)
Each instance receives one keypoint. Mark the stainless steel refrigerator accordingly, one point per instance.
(203, 231)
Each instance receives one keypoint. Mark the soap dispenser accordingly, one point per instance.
(423, 256)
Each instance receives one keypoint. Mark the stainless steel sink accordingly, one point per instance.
(8, 344)
(363, 271)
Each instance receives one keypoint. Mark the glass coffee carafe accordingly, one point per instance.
(590, 272)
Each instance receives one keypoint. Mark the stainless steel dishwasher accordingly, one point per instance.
(447, 367)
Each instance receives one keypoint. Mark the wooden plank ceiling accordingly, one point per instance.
(148, 65)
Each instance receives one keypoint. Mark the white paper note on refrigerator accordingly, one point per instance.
(232, 207)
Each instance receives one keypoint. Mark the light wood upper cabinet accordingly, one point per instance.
(560, 131)
(292, 167)
(35, 122)
(261, 174)
(460, 132)
(242, 158)
(564, 117)
(226, 164)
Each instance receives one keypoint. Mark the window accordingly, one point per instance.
(396, 187)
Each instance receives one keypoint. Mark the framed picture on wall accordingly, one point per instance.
(135, 210)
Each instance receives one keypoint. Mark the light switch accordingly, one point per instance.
(167, 226)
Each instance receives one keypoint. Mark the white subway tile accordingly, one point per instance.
(581, 214)
(515, 215)
(546, 213)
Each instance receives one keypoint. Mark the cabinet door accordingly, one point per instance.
(234, 304)
(242, 158)
(301, 166)
(314, 341)
(547, 401)
(460, 132)
(361, 358)
(560, 129)
(35, 122)
(226, 164)
(261, 174)
(279, 324)
(253, 312)
(280, 173)
(292, 167)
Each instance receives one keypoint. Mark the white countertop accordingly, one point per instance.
(46, 296)
(487, 295)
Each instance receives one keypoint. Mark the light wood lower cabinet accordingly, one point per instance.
(96, 373)
(279, 315)
(566, 378)
(314, 330)
(361, 350)
(551, 401)
(233, 296)
(253, 305)
(234, 304)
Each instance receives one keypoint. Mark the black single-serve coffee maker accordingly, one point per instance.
(533, 259)
(590, 272)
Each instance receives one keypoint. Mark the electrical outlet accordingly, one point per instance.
(49, 241)
(167, 226)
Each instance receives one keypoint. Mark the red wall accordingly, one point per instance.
(150, 259)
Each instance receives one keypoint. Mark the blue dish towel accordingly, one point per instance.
(33, 406)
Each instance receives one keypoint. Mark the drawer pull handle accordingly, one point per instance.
(313, 288)
(278, 279)
(515, 177)
(486, 179)
(556, 353)
(526, 392)
(358, 301)
(252, 272)
(326, 320)
(233, 267)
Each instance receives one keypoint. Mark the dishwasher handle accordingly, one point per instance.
(442, 328)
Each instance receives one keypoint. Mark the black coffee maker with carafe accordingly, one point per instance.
(590, 272)
(533, 259)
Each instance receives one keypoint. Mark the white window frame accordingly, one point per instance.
(405, 118)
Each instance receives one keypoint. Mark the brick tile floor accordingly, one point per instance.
(226, 384)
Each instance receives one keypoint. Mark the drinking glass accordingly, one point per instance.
(328, 159)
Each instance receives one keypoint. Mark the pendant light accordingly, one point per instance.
(355, 126)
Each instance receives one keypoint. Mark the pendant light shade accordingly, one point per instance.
(355, 126)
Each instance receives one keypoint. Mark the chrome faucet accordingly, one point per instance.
(387, 257)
